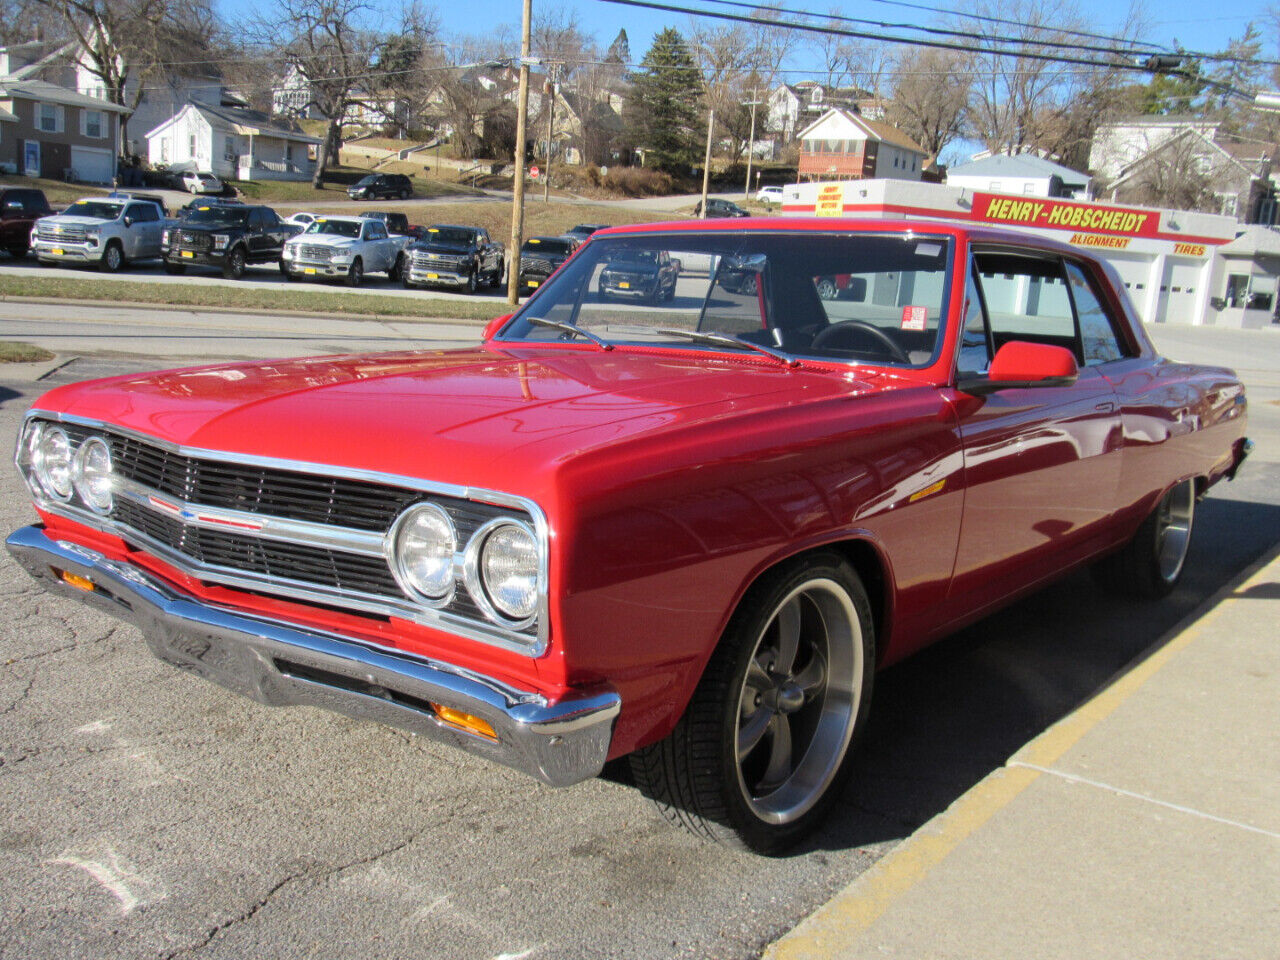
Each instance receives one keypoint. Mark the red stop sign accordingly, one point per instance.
(533, 172)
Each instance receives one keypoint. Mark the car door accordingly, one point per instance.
(376, 245)
(1042, 463)
(142, 236)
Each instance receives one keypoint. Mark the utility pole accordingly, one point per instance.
(706, 164)
(517, 194)
(751, 144)
(550, 93)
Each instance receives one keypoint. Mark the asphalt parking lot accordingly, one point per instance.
(144, 813)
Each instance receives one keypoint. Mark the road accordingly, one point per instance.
(144, 813)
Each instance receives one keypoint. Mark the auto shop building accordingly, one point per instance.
(1178, 266)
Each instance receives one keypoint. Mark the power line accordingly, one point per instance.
(945, 32)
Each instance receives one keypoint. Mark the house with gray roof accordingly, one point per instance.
(233, 144)
(1023, 174)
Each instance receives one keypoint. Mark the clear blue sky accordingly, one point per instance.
(1194, 23)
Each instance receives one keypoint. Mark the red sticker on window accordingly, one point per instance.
(914, 318)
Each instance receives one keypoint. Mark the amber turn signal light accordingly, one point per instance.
(79, 582)
(464, 721)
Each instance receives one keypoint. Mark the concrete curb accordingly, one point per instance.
(834, 929)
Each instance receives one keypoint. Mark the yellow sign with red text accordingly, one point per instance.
(830, 201)
(1081, 218)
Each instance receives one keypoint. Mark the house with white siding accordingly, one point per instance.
(232, 144)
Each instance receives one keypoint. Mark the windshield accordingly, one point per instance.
(95, 208)
(547, 246)
(858, 297)
(450, 234)
(237, 216)
(343, 228)
(366, 181)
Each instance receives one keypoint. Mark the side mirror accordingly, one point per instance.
(493, 326)
(128, 221)
(677, 263)
(1022, 364)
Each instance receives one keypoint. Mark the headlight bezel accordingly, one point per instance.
(477, 585)
(79, 467)
(395, 559)
(39, 468)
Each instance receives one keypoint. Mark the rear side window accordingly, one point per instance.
(1026, 298)
(1097, 332)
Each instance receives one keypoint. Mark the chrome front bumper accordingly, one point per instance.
(74, 252)
(278, 664)
(428, 275)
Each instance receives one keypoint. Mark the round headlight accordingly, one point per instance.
(92, 475)
(51, 461)
(421, 548)
(508, 568)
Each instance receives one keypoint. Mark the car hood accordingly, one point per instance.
(441, 246)
(324, 239)
(485, 417)
(67, 220)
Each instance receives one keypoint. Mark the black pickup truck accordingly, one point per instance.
(540, 257)
(457, 257)
(225, 236)
(20, 208)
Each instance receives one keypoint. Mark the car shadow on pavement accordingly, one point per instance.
(947, 717)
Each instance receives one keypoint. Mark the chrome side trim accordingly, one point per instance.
(279, 664)
(494, 633)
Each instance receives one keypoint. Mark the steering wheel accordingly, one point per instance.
(842, 328)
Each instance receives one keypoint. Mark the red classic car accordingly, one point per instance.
(685, 529)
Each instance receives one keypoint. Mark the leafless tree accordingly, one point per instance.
(334, 49)
(931, 96)
(129, 44)
(1173, 176)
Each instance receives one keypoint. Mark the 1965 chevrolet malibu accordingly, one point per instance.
(685, 528)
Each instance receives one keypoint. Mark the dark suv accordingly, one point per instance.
(226, 236)
(20, 208)
(720, 208)
(381, 186)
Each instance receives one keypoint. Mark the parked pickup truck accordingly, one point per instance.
(347, 247)
(397, 224)
(106, 231)
(542, 256)
(227, 237)
(20, 208)
(456, 257)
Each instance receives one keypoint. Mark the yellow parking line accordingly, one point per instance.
(835, 927)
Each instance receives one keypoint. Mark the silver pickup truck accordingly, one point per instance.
(346, 247)
(106, 231)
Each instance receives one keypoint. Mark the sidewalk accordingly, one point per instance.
(1146, 824)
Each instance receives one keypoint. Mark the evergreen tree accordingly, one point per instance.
(662, 113)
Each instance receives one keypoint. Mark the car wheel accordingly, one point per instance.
(826, 287)
(112, 258)
(397, 268)
(175, 269)
(472, 282)
(18, 251)
(765, 742)
(404, 194)
(356, 274)
(233, 268)
(1150, 565)
(284, 268)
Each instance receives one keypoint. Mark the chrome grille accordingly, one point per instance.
(67, 234)
(317, 253)
(437, 261)
(338, 502)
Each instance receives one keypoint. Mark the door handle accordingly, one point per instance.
(1105, 407)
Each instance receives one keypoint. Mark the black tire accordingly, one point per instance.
(355, 276)
(233, 266)
(112, 258)
(473, 283)
(284, 269)
(729, 771)
(1150, 565)
(19, 251)
(397, 268)
(827, 289)
(175, 269)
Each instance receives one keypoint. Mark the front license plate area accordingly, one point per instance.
(188, 254)
(308, 269)
(433, 276)
(58, 251)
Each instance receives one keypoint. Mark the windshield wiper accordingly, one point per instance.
(567, 327)
(729, 340)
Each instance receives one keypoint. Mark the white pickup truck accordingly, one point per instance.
(347, 247)
(106, 231)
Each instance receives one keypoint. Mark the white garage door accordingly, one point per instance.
(92, 164)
